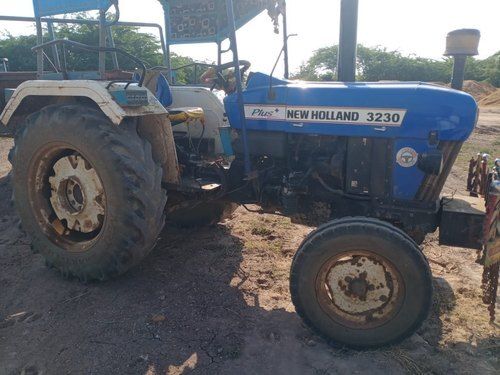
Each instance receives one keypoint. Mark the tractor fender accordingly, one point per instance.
(154, 124)
(94, 90)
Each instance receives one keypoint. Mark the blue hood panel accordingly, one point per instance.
(396, 109)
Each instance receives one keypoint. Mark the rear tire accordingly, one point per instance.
(361, 283)
(127, 198)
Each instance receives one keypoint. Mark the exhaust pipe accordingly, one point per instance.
(460, 44)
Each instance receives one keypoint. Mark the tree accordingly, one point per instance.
(142, 45)
(378, 63)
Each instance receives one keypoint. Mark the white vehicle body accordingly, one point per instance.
(94, 90)
(190, 96)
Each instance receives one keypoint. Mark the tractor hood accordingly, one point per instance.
(382, 109)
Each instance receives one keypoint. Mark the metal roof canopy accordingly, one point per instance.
(205, 21)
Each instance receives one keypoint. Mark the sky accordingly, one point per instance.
(412, 27)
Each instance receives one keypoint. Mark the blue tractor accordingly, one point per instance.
(97, 153)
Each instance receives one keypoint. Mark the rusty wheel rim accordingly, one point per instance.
(67, 197)
(360, 289)
(77, 194)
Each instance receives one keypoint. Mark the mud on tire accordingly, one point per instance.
(132, 198)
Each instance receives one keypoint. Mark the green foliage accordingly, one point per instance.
(143, 45)
(17, 50)
(484, 70)
(376, 64)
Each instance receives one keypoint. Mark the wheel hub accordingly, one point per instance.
(77, 195)
(361, 289)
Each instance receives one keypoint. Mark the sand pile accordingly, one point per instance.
(479, 90)
(492, 100)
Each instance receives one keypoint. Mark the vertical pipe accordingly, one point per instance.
(111, 43)
(39, 53)
(168, 65)
(285, 42)
(457, 80)
(102, 43)
(219, 53)
(346, 65)
(55, 52)
(239, 87)
(163, 47)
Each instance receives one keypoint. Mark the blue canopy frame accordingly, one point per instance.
(213, 21)
(45, 8)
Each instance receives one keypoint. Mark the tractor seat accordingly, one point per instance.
(157, 83)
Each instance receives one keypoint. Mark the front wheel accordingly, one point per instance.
(361, 283)
(88, 192)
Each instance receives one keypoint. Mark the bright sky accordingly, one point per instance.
(417, 26)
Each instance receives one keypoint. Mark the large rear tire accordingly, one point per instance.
(88, 192)
(361, 283)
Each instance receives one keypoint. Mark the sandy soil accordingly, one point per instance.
(216, 301)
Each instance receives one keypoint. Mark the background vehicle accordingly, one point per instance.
(366, 160)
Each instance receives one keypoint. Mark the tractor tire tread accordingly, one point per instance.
(140, 183)
(382, 228)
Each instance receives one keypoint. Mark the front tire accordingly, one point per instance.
(361, 283)
(88, 192)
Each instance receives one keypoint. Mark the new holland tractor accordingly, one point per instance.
(103, 158)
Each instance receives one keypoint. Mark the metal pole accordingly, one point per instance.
(111, 43)
(219, 53)
(39, 54)
(102, 43)
(285, 42)
(55, 52)
(168, 65)
(346, 65)
(163, 47)
(239, 87)
(457, 80)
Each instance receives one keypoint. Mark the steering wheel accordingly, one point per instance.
(222, 77)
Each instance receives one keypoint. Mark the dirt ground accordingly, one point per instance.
(216, 301)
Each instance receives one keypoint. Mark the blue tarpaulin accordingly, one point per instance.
(45, 8)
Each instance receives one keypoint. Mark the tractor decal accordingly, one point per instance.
(407, 157)
(333, 115)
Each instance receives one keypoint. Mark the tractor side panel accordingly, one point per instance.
(414, 118)
(407, 177)
(341, 109)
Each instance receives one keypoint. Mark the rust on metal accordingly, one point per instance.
(477, 179)
(360, 289)
(491, 240)
(77, 194)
